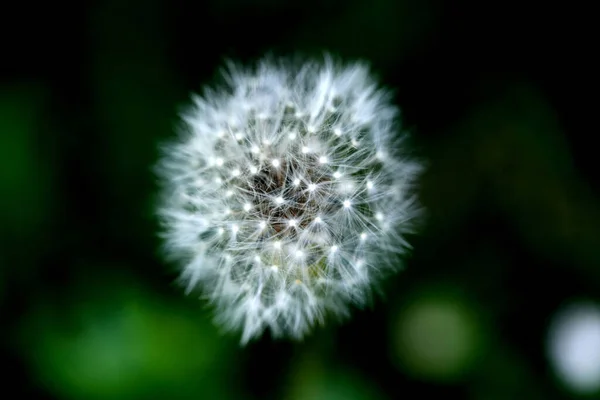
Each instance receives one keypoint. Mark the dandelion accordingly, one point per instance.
(287, 194)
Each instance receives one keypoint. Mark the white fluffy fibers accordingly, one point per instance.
(287, 194)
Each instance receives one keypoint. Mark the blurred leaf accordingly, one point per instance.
(313, 379)
(524, 158)
(25, 175)
(134, 91)
(127, 344)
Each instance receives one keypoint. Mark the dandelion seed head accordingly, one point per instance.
(274, 198)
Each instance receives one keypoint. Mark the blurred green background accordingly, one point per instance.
(497, 95)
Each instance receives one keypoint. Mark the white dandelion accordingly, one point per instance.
(288, 194)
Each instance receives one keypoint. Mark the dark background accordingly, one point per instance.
(499, 97)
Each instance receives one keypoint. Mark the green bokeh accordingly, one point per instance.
(127, 344)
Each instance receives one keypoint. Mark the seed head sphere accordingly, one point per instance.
(287, 194)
